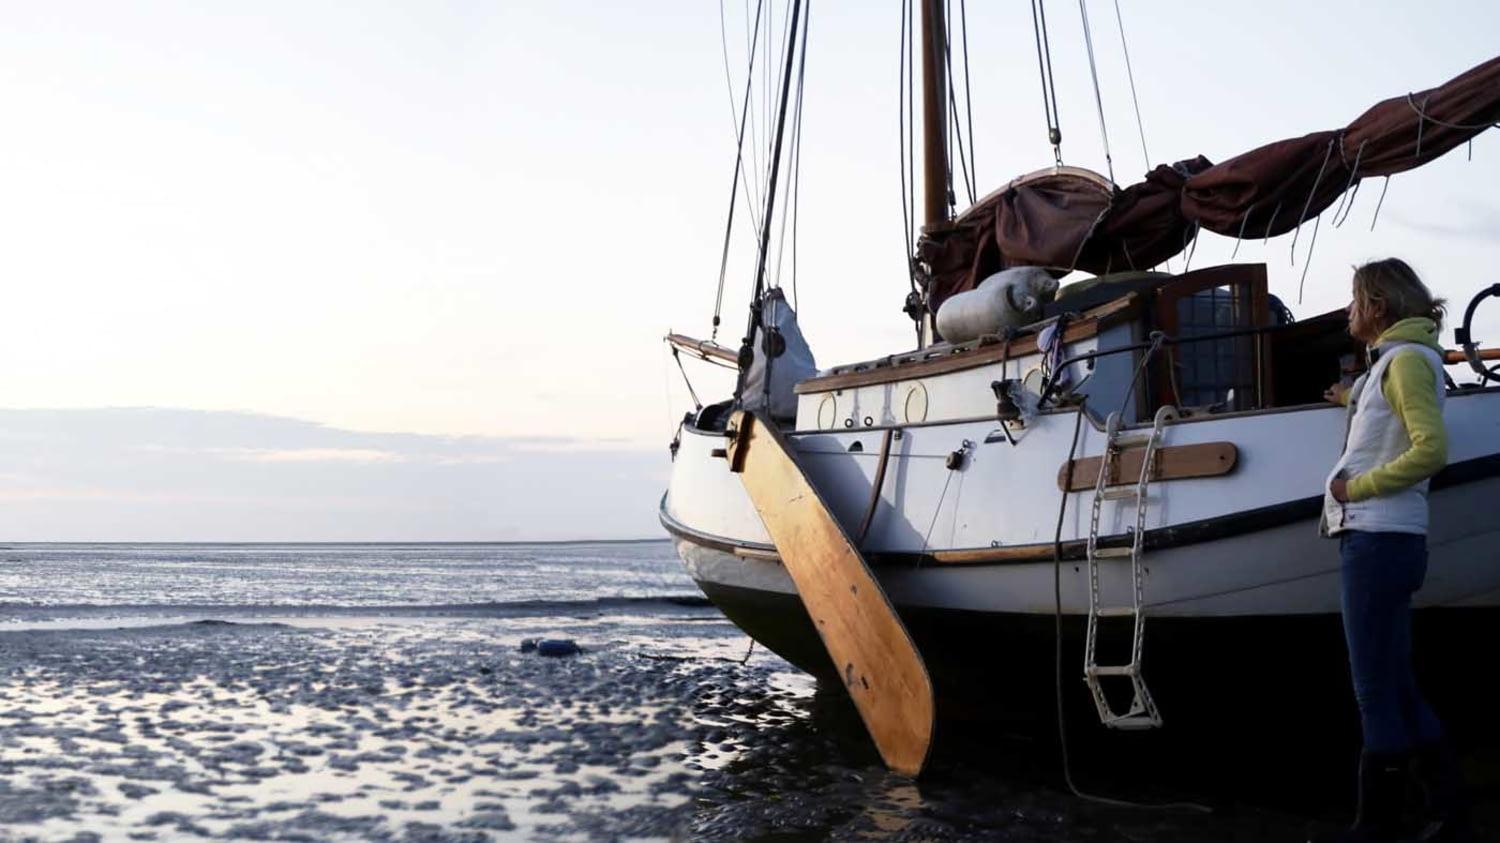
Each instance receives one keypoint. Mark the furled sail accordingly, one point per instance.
(1075, 219)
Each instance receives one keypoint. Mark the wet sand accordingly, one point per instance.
(443, 729)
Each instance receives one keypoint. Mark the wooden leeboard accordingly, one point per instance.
(876, 659)
(1173, 462)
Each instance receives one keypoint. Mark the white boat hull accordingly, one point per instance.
(1237, 577)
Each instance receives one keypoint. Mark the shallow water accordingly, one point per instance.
(335, 575)
(370, 720)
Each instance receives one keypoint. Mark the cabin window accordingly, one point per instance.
(1215, 373)
(1219, 375)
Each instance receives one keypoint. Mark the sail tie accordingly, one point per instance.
(1348, 197)
(1311, 194)
(1421, 112)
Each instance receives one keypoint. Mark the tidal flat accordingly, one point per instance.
(666, 726)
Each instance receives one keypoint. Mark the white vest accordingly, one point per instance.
(1375, 437)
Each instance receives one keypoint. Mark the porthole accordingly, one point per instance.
(915, 407)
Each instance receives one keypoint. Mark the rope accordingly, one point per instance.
(697, 405)
(1339, 222)
(1044, 70)
(1157, 339)
(1271, 223)
(937, 511)
(1380, 202)
(1307, 264)
(1424, 116)
(1088, 40)
(1310, 195)
(1057, 655)
(739, 156)
(1239, 238)
(675, 425)
(1353, 176)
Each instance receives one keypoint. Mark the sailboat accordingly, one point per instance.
(1129, 466)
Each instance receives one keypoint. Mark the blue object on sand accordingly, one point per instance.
(556, 647)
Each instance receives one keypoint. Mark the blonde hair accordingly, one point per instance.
(1393, 283)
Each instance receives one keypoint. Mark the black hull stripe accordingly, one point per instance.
(1161, 538)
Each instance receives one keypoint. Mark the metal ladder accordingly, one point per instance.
(1142, 713)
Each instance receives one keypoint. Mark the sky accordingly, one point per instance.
(401, 271)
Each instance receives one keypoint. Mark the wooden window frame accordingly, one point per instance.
(1164, 313)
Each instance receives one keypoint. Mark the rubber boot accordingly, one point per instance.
(1382, 786)
(1437, 770)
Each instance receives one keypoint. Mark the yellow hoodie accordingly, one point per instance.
(1410, 387)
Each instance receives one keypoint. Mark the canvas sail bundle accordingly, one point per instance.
(1075, 219)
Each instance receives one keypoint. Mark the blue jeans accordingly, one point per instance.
(1380, 573)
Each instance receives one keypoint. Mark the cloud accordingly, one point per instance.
(1473, 220)
(355, 455)
(149, 474)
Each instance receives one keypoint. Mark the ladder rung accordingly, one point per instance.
(1121, 493)
(1132, 721)
(1133, 440)
(1113, 552)
(1112, 670)
(1115, 612)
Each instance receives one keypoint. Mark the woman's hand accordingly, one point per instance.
(1335, 394)
(1339, 488)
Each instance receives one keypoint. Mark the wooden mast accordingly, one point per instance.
(934, 113)
(934, 128)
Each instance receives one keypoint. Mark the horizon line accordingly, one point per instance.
(9, 544)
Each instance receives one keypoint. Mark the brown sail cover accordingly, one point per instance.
(1073, 219)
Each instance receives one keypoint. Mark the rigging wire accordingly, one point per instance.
(739, 158)
(743, 111)
(780, 81)
(789, 214)
(963, 17)
(765, 231)
(752, 44)
(906, 147)
(697, 405)
(1088, 40)
(905, 141)
(1140, 125)
(765, 105)
(1130, 75)
(1044, 70)
(797, 155)
(953, 124)
(756, 323)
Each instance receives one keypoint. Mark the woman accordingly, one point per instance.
(1375, 502)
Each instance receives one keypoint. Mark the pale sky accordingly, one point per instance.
(473, 223)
